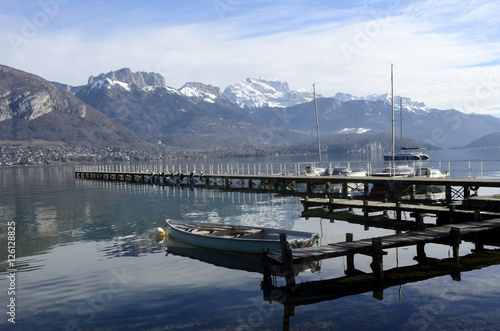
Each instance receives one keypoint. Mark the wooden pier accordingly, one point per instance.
(454, 188)
(450, 235)
(451, 213)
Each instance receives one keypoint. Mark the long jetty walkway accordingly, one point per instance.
(454, 188)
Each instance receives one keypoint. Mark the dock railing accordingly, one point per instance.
(479, 169)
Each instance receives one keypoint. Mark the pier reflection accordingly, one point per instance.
(313, 292)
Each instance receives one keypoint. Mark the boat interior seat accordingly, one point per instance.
(238, 233)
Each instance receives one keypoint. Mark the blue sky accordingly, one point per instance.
(445, 53)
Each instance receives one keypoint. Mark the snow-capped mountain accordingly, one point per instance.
(408, 104)
(201, 92)
(261, 92)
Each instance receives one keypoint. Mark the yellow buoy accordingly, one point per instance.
(159, 232)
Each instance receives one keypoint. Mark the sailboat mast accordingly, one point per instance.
(317, 124)
(401, 125)
(392, 101)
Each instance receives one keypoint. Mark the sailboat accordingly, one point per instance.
(405, 153)
(337, 170)
(316, 171)
(393, 170)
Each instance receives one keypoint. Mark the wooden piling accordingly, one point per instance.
(477, 216)
(366, 209)
(421, 251)
(398, 210)
(452, 212)
(286, 255)
(377, 264)
(349, 237)
(330, 205)
(345, 191)
(455, 241)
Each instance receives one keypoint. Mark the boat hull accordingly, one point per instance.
(400, 170)
(407, 157)
(253, 244)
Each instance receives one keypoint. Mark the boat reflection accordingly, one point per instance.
(229, 260)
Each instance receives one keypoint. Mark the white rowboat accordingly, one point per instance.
(235, 238)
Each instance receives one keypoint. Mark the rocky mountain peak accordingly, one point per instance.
(140, 79)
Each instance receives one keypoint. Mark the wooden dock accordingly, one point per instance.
(441, 234)
(445, 213)
(451, 235)
(313, 292)
(454, 188)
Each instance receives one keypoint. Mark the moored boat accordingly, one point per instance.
(346, 171)
(316, 171)
(236, 238)
(397, 171)
(431, 173)
(407, 155)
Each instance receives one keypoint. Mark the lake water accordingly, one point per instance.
(86, 259)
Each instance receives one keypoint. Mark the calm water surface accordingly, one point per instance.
(86, 259)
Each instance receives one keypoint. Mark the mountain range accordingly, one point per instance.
(256, 112)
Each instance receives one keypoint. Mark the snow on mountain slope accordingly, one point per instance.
(408, 104)
(200, 91)
(261, 92)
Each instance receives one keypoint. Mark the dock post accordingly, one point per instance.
(366, 210)
(466, 192)
(330, 206)
(452, 211)
(398, 210)
(286, 256)
(455, 241)
(478, 243)
(349, 237)
(421, 251)
(306, 204)
(413, 189)
(419, 219)
(366, 189)
(267, 281)
(477, 216)
(345, 190)
(448, 193)
(377, 264)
